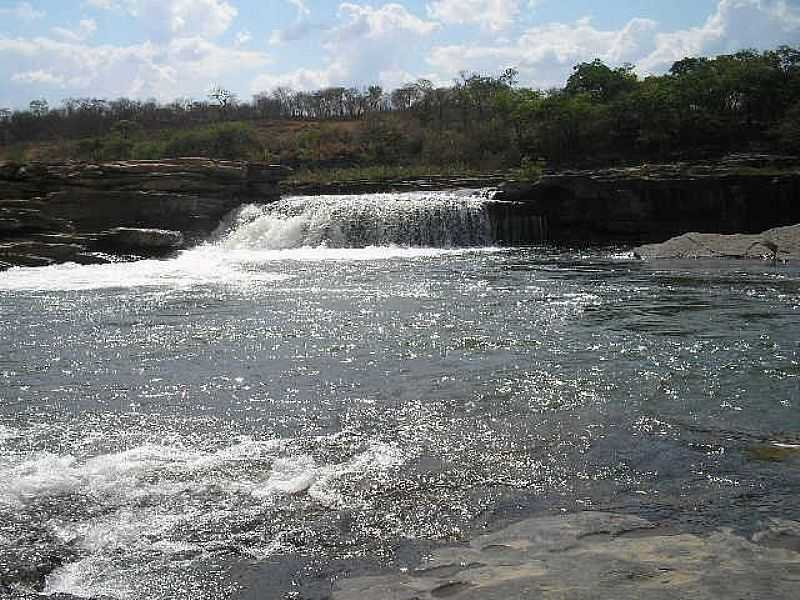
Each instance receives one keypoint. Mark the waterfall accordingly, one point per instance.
(452, 219)
(430, 219)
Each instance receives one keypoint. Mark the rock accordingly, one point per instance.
(591, 556)
(149, 242)
(773, 452)
(400, 184)
(649, 203)
(32, 559)
(782, 243)
(187, 197)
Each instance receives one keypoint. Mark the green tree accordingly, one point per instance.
(600, 81)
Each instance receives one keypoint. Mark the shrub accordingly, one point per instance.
(228, 140)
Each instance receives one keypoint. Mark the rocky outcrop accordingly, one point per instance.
(396, 184)
(648, 203)
(68, 211)
(148, 242)
(598, 556)
(781, 243)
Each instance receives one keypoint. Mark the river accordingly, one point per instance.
(336, 385)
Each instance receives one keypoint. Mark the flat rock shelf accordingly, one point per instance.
(598, 556)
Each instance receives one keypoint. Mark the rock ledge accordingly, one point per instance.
(60, 212)
(781, 243)
(596, 556)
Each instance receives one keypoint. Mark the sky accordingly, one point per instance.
(168, 49)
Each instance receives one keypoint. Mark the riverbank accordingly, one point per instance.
(93, 213)
(89, 213)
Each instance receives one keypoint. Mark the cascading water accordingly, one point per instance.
(429, 219)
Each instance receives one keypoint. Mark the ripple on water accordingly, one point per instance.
(340, 403)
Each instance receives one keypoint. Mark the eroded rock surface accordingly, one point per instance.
(781, 243)
(596, 556)
(148, 242)
(653, 202)
(57, 212)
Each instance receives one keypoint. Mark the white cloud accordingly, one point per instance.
(242, 38)
(367, 21)
(85, 30)
(299, 79)
(40, 77)
(23, 11)
(182, 67)
(367, 44)
(297, 31)
(492, 14)
(300, 5)
(175, 18)
(736, 24)
(545, 54)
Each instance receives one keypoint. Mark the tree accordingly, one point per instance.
(602, 82)
(223, 97)
(39, 107)
(124, 128)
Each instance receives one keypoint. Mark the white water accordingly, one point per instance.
(304, 229)
(174, 503)
(421, 219)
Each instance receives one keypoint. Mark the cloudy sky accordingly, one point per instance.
(171, 48)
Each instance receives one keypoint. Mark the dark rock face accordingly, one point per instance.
(745, 194)
(59, 212)
(149, 242)
(414, 184)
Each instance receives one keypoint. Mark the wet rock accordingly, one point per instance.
(149, 242)
(653, 202)
(591, 556)
(774, 452)
(780, 533)
(25, 564)
(782, 243)
(187, 196)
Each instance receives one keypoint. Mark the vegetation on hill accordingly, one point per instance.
(702, 107)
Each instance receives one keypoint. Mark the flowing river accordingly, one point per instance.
(336, 385)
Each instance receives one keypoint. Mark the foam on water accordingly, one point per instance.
(416, 219)
(160, 504)
(200, 266)
(304, 229)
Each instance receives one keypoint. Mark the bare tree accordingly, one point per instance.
(223, 97)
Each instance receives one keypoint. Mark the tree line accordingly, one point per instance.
(741, 101)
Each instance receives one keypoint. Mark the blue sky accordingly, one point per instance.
(178, 48)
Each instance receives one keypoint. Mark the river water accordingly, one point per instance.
(335, 385)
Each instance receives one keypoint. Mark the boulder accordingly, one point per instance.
(781, 243)
(140, 241)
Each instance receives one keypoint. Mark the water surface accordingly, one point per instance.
(256, 415)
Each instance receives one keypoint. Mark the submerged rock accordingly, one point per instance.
(782, 243)
(593, 556)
